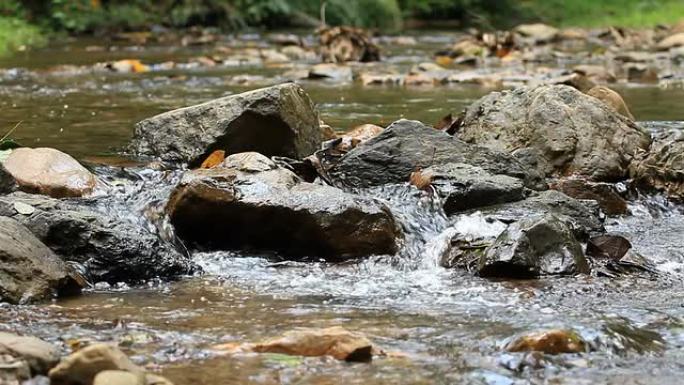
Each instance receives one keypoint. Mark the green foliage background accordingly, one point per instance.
(21, 21)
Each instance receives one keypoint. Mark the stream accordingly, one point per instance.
(448, 325)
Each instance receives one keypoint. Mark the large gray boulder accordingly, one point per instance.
(250, 203)
(407, 146)
(663, 167)
(576, 133)
(29, 271)
(534, 246)
(275, 121)
(584, 215)
(111, 249)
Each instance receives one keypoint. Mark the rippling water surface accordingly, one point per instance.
(448, 325)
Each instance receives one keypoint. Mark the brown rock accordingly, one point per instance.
(550, 342)
(612, 247)
(40, 355)
(81, 367)
(641, 73)
(605, 194)
(612, 99)
(49, 172)
(336, 342)
(672, 41)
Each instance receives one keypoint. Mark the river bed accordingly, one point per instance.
(448, 325)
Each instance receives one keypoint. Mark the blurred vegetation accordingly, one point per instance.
(596, 13)
(22, 20)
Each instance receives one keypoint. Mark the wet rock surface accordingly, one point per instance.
(250, 203)
(534, 246)
(584, 215)
(555, 341)
(109, 249)
(47, 171)
(463, 186)
(276, 121)
(406, 146)
(662, 168)
(574, 132)
(606, 195)
(30, 271)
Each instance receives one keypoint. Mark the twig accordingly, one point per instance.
(323, 4)
(11, 131)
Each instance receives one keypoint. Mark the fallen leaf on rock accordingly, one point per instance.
(214, 159)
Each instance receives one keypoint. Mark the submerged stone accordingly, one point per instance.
(81, 367)
(605, 194)
(276, 121)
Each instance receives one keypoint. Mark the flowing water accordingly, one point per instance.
(448, 325)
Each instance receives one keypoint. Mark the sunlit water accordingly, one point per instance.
(449, 325)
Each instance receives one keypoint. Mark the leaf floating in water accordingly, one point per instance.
(214, 159)
(23, 208)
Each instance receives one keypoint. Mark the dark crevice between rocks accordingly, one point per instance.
(265, 134)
